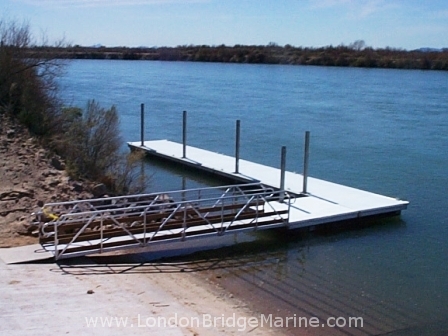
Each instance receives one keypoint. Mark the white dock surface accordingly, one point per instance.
(325, 202)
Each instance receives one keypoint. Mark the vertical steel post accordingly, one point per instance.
(184, 134)
(282, 173)
(142, 124)
(237, 146)
(306, 161)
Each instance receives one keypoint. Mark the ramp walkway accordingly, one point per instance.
(76, 228)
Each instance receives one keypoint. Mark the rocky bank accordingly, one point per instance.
(30, 176)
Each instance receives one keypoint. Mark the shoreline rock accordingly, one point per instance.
(30, 176)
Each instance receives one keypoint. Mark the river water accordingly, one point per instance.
(384, 131)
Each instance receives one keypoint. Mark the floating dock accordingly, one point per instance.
(258, 197)
(324, 202)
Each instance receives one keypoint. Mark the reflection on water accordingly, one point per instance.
(166, 176)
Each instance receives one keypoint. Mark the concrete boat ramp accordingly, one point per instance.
(323, 202)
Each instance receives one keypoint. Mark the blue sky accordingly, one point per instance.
(407, 24)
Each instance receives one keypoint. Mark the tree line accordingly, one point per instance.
(356, 54)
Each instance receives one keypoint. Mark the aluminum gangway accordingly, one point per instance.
(82, 227)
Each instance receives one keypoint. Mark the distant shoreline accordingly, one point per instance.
(343, 56)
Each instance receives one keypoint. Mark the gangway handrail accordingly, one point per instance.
(122, 213)
(176, 217)
(77, 214)
(99, 203)
(137, 208)
(100, 199)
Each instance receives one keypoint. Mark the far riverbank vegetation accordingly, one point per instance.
(356, 54)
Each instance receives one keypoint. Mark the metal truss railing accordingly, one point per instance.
(98, 225)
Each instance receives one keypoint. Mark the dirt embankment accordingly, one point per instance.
(30, 176)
